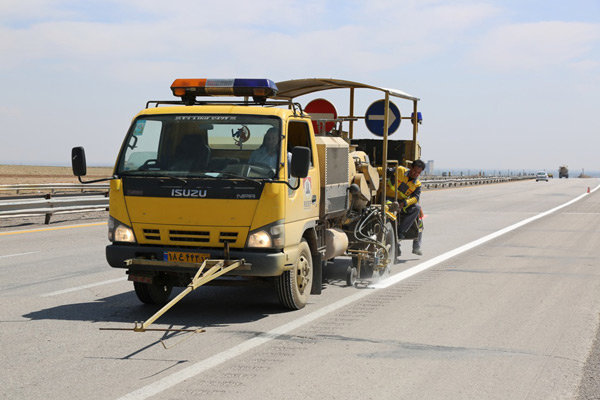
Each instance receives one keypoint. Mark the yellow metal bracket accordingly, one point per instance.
(209, 270)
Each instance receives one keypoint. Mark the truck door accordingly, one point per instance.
(303, 203)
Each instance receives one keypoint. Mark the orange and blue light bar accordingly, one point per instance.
(224, 87)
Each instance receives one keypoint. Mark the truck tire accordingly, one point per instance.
(151, 293)
(293, 286)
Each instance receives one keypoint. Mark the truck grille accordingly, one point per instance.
(203, 236)
(152, 234)
(229, 237)
(189, 236)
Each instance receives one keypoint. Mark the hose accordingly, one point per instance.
(365, 238)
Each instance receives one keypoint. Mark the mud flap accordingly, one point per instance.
(317, 278)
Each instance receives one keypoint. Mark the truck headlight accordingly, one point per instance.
(119, 232)
(267, 236)
(260, 239)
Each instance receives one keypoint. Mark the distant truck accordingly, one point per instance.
(563, 172)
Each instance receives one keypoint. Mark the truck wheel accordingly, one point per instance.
(293, 286)
(150, 293)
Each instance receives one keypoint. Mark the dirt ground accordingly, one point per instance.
(23, 174)
(15, 174)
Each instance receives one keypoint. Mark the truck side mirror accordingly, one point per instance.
(300, 162)
(78, 161)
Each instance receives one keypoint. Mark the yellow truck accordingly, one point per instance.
(241, 188)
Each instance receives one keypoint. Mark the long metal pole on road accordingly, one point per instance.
(415, 130)
(385, 149)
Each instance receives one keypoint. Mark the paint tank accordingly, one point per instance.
(336, 243)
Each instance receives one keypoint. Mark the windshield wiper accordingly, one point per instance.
(175, 178)
(152, 174)
(231, 175)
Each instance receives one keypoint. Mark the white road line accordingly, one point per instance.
(19, 254)
(75, 289)
(443, 257)
(177, 377)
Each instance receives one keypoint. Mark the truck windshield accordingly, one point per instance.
(202, 145)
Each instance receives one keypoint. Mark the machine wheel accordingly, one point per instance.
(389, 241)
(351, 274)
(293, 287)
(151, 293)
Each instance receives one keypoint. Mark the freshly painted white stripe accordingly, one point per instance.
(19, 254)
(206, 364)
(443, 257)
(75, 289)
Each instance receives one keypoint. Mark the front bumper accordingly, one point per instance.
(259, 263)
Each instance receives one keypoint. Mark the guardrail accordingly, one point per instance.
(49, 205)
(451, 182)
(54, 187)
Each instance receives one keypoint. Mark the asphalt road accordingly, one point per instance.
(484, 314)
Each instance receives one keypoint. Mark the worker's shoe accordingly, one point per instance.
(417, 251)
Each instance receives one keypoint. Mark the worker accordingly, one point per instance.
(409, 191)
(192, 152)
(267, 154)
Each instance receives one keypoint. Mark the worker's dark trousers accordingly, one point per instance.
(417, 241)
(408, 218)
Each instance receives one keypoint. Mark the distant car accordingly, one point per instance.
(541, 176)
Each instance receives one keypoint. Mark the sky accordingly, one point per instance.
(507, 85)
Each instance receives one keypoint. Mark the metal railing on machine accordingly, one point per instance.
(57, 199)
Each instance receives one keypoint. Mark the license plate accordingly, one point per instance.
(180, 256)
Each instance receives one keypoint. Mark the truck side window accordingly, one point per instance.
(299, 135)
(142, 144)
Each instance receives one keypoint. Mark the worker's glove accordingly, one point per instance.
(394, 206)
(401, 204)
